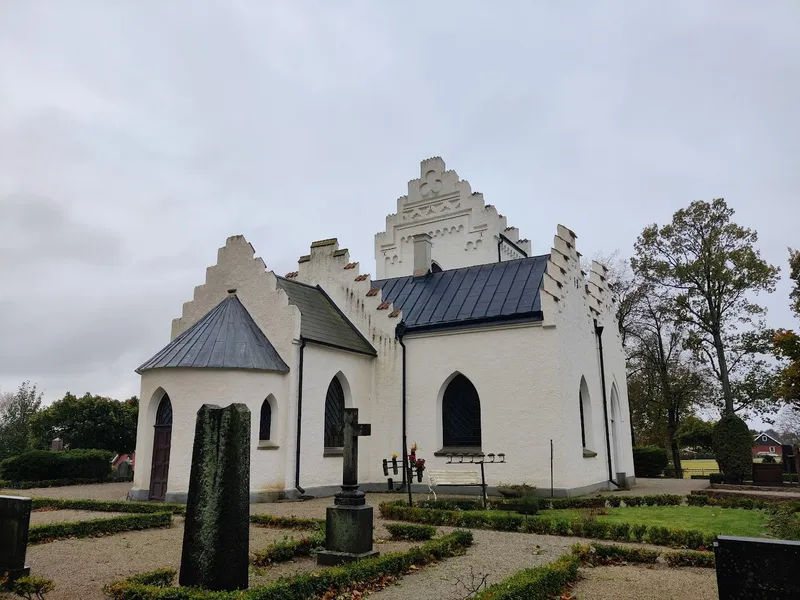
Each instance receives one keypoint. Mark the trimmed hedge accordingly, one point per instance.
(590, 528)
(733, 448)
(452, 504)
(539, 583)
(690, 558)
(649, 461)
(108, 506)
(305, 585)
(48, 483)
(607, 554)
(287, 522)
(407, 531)
(44, 465)
(746, 501)
(98, 527)
(287, 549)
(716, 478)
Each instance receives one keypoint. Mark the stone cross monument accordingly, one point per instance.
(15, 518)
(348, 523)
(216, 537)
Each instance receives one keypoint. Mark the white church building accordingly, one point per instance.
(463, 341)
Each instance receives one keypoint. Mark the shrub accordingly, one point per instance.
(790, 477)
(649, 461)
(634, 501)
(689, 558)
(39, 465)
(700, 476)
(783, 524)
(158, 578)
(287, 549)
(405, 531)
(452, 504)
(716, 478)
(48, 483)
(108, 505)
(539, 583)
(662, 500)
(606, 554)
(638, 532)
(287, 522)
(98, 527)
(32, 587)
(733, 448)
(307, 585)
(614, 501)
(567, 503)
(697, 500)
(526, 505)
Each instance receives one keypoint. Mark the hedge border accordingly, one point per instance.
(410, 531)
(276, 522)
(504, 521)
(739, 500)
(538, 583)
(285, 550)
(122, 506)
(48, 483)
(306, 585)
(612, 553)
(98, 527)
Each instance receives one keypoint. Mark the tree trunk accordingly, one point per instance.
(672, 428)
(727, 393)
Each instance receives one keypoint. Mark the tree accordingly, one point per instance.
(88, 422)
(712, 268)
(696, 433)
(786, 343)
(16, 412)
(788, 425)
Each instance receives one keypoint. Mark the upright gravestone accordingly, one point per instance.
(348, 523)
(15, 518)
(756, 568)
(216, 539)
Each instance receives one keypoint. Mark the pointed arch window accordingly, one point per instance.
(265, 426)
(461, 415)
(334, 415)
(164, 412)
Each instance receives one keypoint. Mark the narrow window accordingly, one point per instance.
(334, 415)
(265, 427)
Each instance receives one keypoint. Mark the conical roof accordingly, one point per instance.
(225, 338)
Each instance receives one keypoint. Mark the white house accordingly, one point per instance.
(463, 342)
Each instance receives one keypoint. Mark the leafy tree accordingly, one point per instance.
(88, 422)
(16, 413)
(788, 425)
(787, 342)
(712, 268)
(696, 433)
(733, 445)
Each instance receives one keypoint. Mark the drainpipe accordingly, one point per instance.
(299, 418)
(598, 329)
(400, 332)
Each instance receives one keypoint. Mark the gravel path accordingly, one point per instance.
(647, 583)
(645, 487)
(61, 516)
(96, 491)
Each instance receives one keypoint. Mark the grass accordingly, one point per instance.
(708, 519)
(699, 467)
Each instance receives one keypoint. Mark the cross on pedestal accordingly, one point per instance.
(350, 494)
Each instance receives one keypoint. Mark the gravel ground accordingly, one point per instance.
(645, 487)
(61, 516)
(96, 491)
(646, 583)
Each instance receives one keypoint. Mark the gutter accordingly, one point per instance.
(400, 332)
(299, 417)
(598, 329)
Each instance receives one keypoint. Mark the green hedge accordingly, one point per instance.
(305, 585)
(44, 465)
(407, 531)
(746, 501)
(690, 558)
(108, 505)
(98, 527)
(538, 583)
(649, 461)
(48, 483)
(590, 528)
(451, 504)
(287, 549)
(287, 522)
(609, 554)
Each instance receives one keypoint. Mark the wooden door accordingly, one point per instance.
(160, 470)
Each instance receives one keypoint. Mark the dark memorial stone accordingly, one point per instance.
(348, 523)
(757, 568)
(216, 539)
(15, 519)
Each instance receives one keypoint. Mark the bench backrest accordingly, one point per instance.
(447, 477)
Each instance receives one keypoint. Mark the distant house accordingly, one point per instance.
(765, 443)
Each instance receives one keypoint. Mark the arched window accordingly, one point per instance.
(461, 414)
(265, 426)
(164, 412)
(334, 415)
(587, 438)
(435, 268)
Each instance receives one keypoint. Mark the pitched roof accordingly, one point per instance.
(226, 337)
(756, 439)
(497, 292)
(321, 320)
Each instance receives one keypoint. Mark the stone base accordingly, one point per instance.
(328, 558)
(14, 574)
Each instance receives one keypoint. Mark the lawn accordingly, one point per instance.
(708, 519)
(699, 467)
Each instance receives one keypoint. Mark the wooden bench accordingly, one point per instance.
(453, 478)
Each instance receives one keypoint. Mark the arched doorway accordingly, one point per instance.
(161, 445)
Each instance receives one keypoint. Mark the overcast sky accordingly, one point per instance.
(136, 136)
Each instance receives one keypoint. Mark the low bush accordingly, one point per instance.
(607, 554)
(526, 505)
(538, 583)
(406, 531)
(700, 476)
(108, 505)
(287, 522)
(159, 577)
(740, 500)
(32, 587)
(783, 524)
(567, 503)
(689, 558)
(716, 478)
(98, 527)
(451, 504)
(649, 461)
(306, 585)
(790, 477)
(287, 549)
(662, 500)
(42, 465)
(48, 483)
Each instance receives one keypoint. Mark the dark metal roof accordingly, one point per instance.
(321, 320)
(498, 292)
(226, 337)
